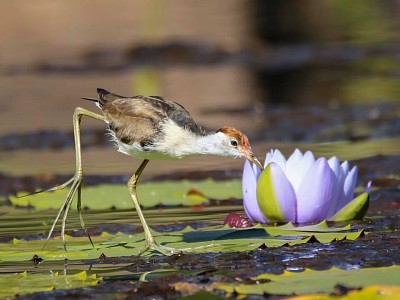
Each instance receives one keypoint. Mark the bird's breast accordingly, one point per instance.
(171, 141)
(139, 150)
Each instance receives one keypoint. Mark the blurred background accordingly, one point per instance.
(321, 75)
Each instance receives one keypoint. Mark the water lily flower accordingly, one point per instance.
(302, 189)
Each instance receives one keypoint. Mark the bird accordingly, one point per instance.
(150, 128)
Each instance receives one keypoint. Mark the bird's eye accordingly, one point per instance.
(234, 143)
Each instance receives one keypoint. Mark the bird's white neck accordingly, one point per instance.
(209, 144)
(180, 142)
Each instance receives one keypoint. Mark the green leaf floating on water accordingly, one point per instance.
(213, 239)
(374, 292)
(24, 283)
(106, 196)
(310, 281)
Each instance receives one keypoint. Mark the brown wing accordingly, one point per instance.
(133, 119)
(137, 119)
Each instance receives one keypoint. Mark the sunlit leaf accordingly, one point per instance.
(375, 292)
(319, 227)
(218, 239)
(310, 281)
(200, 295)
(354, 210)
(24, 283)
(108, 196)
(118, 244)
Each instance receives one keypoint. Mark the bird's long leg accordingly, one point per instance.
(76, 180)
(150, 240)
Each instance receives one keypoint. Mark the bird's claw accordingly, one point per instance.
(75, 187)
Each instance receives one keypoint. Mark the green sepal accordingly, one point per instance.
(354, 210)
(266, 197)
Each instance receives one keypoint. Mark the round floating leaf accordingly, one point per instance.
(106, 196)
(310, 281)
(223, 239)
(24, 283)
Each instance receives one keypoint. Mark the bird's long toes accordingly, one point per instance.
(165, 250)
(61, 186)
(64, 209)
(158, 248)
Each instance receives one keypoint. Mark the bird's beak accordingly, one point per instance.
(251, 157)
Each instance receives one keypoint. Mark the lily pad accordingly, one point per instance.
(311, 281)
(24, 283)
(215, 239)
(150, 194)
(320, 227)
(376, 292)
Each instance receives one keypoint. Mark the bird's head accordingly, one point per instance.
(237, 144)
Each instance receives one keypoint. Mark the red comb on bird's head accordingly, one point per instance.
(243, 144)
(236, 134)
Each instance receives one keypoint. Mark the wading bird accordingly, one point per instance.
(149, 127)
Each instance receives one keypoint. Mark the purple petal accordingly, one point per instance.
(256, 170)
(275, 194)
(284, 193)
(338, 182)
(268, 157)
(297, 167)
(249, 189)
(334, 164)
(296, 155)
(315, 193)
(368, 187)
(293, 160)
(345, 168)
(275, 157)
(349, 186)
(308, 159)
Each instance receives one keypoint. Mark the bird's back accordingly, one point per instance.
(139, 119)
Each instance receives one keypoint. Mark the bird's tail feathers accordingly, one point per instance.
(90, 99)
(104, 97)
(98, 102)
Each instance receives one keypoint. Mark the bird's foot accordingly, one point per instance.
(75, 188)
(159, 248)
